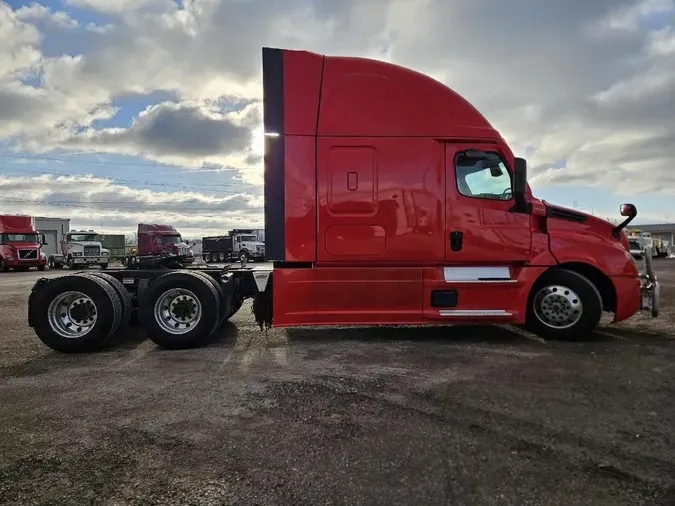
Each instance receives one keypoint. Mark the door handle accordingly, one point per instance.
(456, 239)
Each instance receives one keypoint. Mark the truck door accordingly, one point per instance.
(480, 226)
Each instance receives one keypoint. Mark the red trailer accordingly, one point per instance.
(389, 199)
(20, 244)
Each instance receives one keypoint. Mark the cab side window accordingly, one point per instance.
(483, 179)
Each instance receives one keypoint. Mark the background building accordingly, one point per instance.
(664, 231)
(53, 229)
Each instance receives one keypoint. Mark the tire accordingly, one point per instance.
(50, 262)
(70, 264)
(243, 256)
(41, 268)
(103, 266)
(60, 332)
(123, 295)
(188, 288)
(3, 266)
(222, 317)
(563, 305)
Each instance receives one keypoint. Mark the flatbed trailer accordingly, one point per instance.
(178, 308)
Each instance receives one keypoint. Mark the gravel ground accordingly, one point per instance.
(462, 415)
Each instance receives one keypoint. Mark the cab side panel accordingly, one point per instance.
(380, 200)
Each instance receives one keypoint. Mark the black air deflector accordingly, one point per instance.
(565, 214)
(273, 121)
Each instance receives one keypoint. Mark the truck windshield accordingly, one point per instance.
(82, 237)
(7, 238)
(171, 239)
(248, 238)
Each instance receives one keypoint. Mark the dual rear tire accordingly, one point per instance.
(77, 313)
(81, 312)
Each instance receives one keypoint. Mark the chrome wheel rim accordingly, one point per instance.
(178, 311)
(72, 315)
(558, 306)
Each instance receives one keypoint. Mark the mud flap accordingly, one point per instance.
(31, 298)
(262, 305)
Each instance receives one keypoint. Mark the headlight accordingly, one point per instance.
(104, 253)
(10, 258)
(77, 254)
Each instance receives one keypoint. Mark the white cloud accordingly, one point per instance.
(87, 200)
(20, 43)
(588, 84)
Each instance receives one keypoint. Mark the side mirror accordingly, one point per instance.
(520, 186)
(628, 210)
(520, 177)
(43, 240)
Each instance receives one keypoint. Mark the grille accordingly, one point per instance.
(92, 251)
(182, 251)
(27, 254)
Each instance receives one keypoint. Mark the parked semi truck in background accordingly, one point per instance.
(350, 142)
(159, 243)
(20, 244)
(239, 244)
(80, 248)
(660, 248)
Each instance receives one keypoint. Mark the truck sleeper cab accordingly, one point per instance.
(389, 199)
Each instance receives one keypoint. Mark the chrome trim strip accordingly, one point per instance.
(477, 273)
(474, 312)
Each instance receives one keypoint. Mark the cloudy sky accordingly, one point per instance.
(119, 111)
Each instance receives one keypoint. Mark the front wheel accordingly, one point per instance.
(41, 268)
(103, 266)
(563, 305)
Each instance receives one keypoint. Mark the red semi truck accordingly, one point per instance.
(159, 243)
(20, 244)
(389, 199)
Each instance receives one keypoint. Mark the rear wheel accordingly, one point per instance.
(563, 305)
(75, 313)
(122, 293)
(180, 310)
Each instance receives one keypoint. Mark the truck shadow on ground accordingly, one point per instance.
(442, 334)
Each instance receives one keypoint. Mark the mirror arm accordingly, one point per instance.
(616, 231)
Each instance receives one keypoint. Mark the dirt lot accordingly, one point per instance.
(461, 415)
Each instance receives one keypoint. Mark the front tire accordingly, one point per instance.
(563, 305)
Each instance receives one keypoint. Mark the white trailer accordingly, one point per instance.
(54, 229)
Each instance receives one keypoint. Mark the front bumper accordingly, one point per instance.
(90, 260)
(25, 263)
(650, 288)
